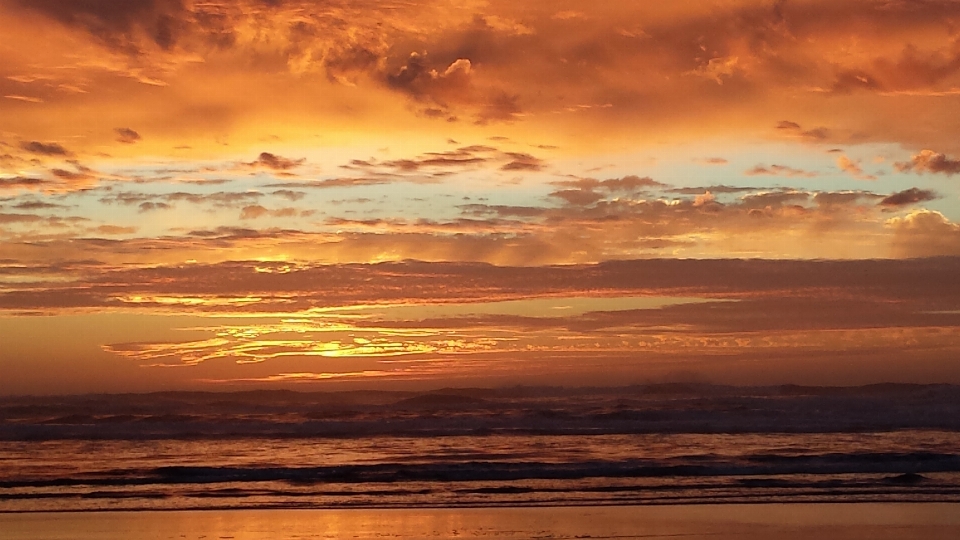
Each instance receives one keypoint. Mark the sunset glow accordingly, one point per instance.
(358, 194)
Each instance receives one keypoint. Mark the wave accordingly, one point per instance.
(891, 463)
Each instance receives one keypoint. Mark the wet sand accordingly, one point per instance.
(829, 521)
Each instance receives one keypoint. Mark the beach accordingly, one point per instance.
(828, 521)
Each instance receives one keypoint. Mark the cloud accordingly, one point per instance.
(913, 71)
(275, 162)
(71, 176)
(115, 230)
(843, 199)
(150, 201)
(585, 190)
(501, 106)
(463, 63)
(21, 182)
(578, 197)
(930, 161)
(712, 189)
(909, 196)
(253, 212)
(852, 168)
(713, 161)
(522, 162)
(37, 205)
(453, 160)
(331, 183)
(45, 149)
(150, 206)
(19, 218)
(120, 24)
(443, 86)
(288, 194)
(793, 129)
(716, 69)
(257, 211)
(779, 170)
(909, 286)
(924, 233)
(28, 99)
(567, 15)
(626, 184)
(127, 135)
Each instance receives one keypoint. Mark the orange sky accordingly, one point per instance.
(226, 194)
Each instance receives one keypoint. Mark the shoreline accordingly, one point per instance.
(494, 505)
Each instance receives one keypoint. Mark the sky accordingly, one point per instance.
(340, 194)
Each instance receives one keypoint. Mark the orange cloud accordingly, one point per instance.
(852, 168)
(930, 161)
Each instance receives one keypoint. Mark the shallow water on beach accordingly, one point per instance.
(487, 470)
(503, 452)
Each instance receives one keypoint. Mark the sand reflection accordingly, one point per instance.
(781, 521)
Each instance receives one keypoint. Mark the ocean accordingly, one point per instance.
(664, 444)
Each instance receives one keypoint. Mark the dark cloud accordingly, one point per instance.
(71, 176)
(502, 107)
(220, 198)
(585, 191)
(794, 130)
(150, 206)
(774, 199)
(452, 159)
(121, 24)
(207, 181)
(626, 184)
(19, 218)
(577, 197)
(913, 285)
(630, 183)
(711, 189)
(842, 198)
(275, 162)
(288, 194)
(19, 182)
(522, 162)
(127, 135)
(477, 148)
(342, 62)
(45, 149)
(909, 196)
(852, 80)
(149, 201)
(253, 212)
(446, 161)
(502, 210)
(344, 182)
(713, 161)
(37, 205)
(913, 71)
(930, 161)
(442, 85)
